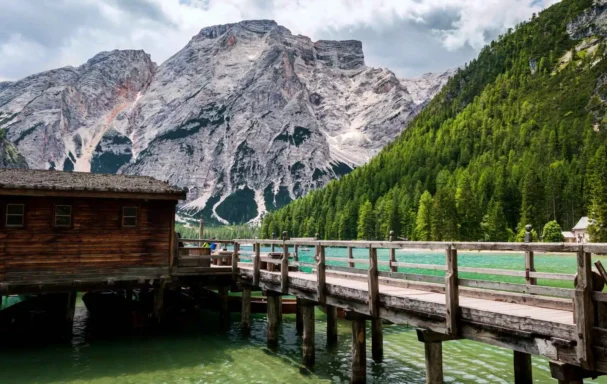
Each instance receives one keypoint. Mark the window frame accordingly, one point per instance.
(123, 216)
(71, 216)
(6, 216)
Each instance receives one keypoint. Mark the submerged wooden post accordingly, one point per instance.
(159, 301)
(331, 325)
(70, 309)
(307, 312)
(273, 318)
(321, 276)
(584, 310)
(359, 351)
(246, 310)
(522, 368)
(377, 340)
(224, 311)
(451, 292)
(298, 316)
(393, 268)
(433, 352)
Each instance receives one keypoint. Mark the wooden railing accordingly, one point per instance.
(580, 298)
(192, 257)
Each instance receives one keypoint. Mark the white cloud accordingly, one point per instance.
(36, 36)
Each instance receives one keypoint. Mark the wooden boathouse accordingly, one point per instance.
(77, 230)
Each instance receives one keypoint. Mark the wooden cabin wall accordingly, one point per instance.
(95, 244)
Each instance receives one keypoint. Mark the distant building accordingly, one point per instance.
(581, 230)
(569, 237)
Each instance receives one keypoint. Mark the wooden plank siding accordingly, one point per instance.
(95, 244)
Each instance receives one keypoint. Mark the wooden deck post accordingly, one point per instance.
(393, 268)
(570, 374)
(321, 276)
(529, 258)
(279, 309)
(373, 281)
(235, 256)
(273, 318)
(159, 301)
(433, 349)
(522, 368)
(256, 265)
(307, 311)
(284, 266)
(246, 310)
(272, 246)
(584, 310)
(70, 309)
(224, 311)
(331, 325)
(451, 292)
(350, 257)
(377, 340)
(298, 316)
(359, 351)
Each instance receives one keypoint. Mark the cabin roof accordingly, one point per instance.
(568, 235)
(582, 224)
(30, 181)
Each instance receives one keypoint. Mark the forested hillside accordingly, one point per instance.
(516, 137)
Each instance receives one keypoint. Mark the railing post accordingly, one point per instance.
(284, 265)
(256, 264)
(393, 268)
(272, 247)
(584, 309)
(529, 262)
(235, 256)
(350, 257)
(296, 255)
(373, 283)
(320, 275)
(452, 292)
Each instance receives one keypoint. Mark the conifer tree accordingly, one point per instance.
(424, 217)
(597, 175)
(366, 222)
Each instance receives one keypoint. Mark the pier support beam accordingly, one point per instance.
(522, 368)
(279, 309)
(359, 351)
(224, 310)
(433, 349)
(331, 325)
(246, 311)
(307, 314)
(377, 340)
(159, 301)
(70, 310)
(273, 318)
(570, 374)
(298, 317)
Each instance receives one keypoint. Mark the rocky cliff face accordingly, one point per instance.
(247, 116)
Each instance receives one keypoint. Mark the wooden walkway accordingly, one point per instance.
(566, 325)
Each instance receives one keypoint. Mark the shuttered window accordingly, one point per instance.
(63, 215)
(129, 217)
(15, 215)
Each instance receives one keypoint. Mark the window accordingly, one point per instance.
(63, 215)
(15, 215)
(129, 216)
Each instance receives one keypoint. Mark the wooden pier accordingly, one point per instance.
(566, 325)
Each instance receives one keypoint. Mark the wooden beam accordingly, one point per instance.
(256, 266)
(569, 373)
(359, 351)
(530, 267)
(350, 257)
(273, 321)
(377, 340)
(331, 325)
(298, 316)
(246, 310)
(308, 333)
(522, 368)
(584, 310)
(373, 283)
(284, 269)
(433, 353)
(452, 293)
(235, 261)
(159, 301)
(321, 290)
(70, 309)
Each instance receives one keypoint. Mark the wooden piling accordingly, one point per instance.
(159, 301)
(224, 311)
(279, 307)
(70, 309)
(434, 362)
(298, 316)
(331, 325)
(377, 340)
(359, 351)
(246, 311)
(522, 368)
(308, 333)
(273, 320)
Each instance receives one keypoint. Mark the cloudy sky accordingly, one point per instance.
(410, 37)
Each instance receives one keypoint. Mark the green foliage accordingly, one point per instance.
(226, 232)
(597, 170)
(366, 222)
(498, 148)
(552, 233)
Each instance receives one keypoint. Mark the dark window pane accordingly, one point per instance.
(14, 220)
(129, 221)
(14, 209)
(65, 210)
(129, 211)
(63, 221)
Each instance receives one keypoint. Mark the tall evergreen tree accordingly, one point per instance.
(366, 222)
(423, 221)
(597, 175)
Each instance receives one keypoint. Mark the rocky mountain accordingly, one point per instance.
(247, 116)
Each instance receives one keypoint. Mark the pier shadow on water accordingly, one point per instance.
(202, 352)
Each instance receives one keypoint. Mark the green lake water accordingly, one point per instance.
(203, 353)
